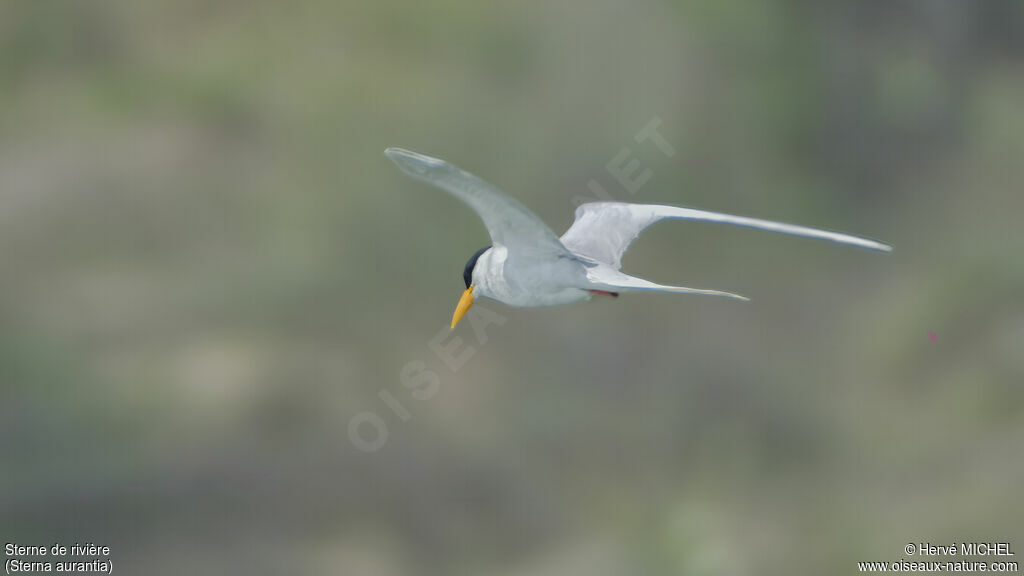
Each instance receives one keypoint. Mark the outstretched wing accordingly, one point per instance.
(603, 231)
(508, 222)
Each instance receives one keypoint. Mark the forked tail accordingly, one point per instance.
(608, 279)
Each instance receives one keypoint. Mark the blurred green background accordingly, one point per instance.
(210, 269)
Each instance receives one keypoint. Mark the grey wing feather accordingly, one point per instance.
(508, 222)
(603, 231)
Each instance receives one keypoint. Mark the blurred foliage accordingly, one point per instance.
(210, 268)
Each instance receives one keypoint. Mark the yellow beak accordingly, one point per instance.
(465, 303)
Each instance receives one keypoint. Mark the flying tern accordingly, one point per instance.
(528, 265)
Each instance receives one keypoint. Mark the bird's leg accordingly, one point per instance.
(603, 293)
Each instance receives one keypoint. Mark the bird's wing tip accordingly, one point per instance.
(873, 245)
(396, 154)
(732, 296)
(413, 162)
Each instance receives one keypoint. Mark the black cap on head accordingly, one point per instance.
(467, 274)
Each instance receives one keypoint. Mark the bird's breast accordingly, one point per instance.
(530, 283)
